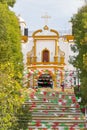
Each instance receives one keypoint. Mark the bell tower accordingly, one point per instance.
(24, 29)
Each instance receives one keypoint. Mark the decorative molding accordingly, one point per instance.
(42, 37)
(34, 66)
(24, 39)
(46, 27)
(37, 31)
(52, 30)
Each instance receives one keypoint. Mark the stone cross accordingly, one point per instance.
(46, 17)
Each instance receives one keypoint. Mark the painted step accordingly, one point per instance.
(49, 112)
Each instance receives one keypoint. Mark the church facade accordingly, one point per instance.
(44, 57)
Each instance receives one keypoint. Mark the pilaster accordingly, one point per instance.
(34, 57)
(56, 51)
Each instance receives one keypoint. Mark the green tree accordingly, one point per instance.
(11, 67)
(13, 114)
(9, 2)
(10, 38)
(24, 117)
(10, 100)
(79, 30)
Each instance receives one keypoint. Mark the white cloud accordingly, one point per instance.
(60, 10)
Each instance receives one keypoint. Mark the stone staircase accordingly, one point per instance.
(54, 110)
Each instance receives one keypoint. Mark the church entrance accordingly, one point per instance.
(45, 56)
(45, 80)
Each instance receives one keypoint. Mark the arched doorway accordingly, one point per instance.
(45, 55)
(45, 80)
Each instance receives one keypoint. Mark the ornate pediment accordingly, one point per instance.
(46, 32)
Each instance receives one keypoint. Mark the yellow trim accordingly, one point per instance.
(24, 38)
(46, 37)
(47, 63)
(34, 47)
(30, 58)
(45, 27)
(56, 51)
(56, 48)
(56, 59)
(34, 57)
(68, 37)
(37, 31)
(52, 30)
(55, 82)
(62, 60)
(45, 66)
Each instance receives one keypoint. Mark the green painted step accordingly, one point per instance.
(54, 109)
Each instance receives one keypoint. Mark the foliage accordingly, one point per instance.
(79, 30)
(9, 96)
(10, 37)
(76, 91)
(8, 2)
(11, 67)
(24, 117)
(13, 115)
(84, 90)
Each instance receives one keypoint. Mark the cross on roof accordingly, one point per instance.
(46, 17)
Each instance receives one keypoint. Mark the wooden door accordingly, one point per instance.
(45, 56)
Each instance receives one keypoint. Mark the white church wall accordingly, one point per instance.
(22, 26)
(48, 44)
(66, 47)
(26, 47)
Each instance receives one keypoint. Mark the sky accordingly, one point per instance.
(60, 12)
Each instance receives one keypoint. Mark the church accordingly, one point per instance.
(46, 57)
